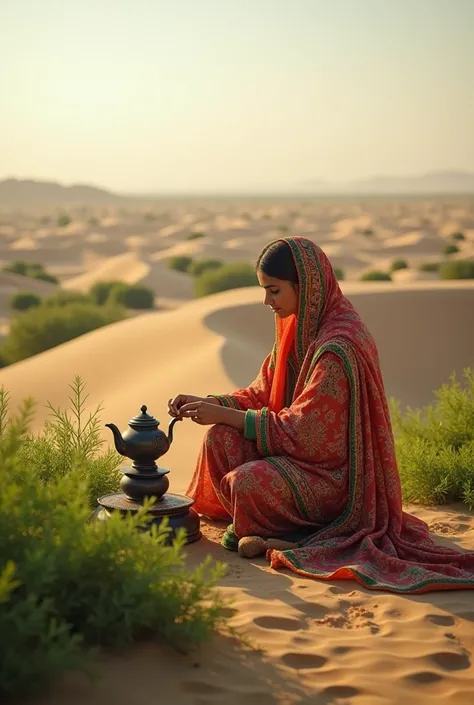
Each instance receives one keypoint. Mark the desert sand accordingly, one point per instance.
(313, 642)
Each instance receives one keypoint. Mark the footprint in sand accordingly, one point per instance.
(286, 623)
(451, 661)
(202, 688)
(441, 620)
(300, 661)
(423, 677)
(340, 691)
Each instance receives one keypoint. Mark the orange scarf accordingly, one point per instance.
(286, 338)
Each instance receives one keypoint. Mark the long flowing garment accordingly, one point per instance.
(316, 463)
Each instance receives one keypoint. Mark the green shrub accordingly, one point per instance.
(137, 297)
(450, 249)
(458, 236)
(44, 276)
(34, 270)
(66, 298)
(435, 445)
(199, 266)
(100, 292)
(69, 585)
(17, 267)
(195, 236)
(460, 269)
(24, 300)
(180, 263)
(430, 267)
(368, 232)
(45, 327)
(376, 276)
(398, 264)
(229, 276)
(339, 273)
(64, 220)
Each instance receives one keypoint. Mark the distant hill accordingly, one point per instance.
(16, 192)
(434, 182)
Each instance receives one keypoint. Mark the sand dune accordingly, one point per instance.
(333, 639)
(126, 268)
(216, 343)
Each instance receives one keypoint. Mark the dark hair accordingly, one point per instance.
(276, 260)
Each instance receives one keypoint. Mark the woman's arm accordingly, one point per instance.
(315, 427)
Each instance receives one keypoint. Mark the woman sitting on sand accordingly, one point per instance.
(305, 454)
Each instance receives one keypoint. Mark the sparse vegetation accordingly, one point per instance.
(398, 264)
(68, 585)
(376, 276)
(199, 266)
(132, 296)
(368, 232)
(458, 236)
(195, 236)
(150, 217)
(64, 220)
(459, 269)
(435, 445)
(24, 300)
(180, 263)
(44, 327)
(430, 267)
(100, 291)
(33, 270)
(450, 249)
(64, 297)
(339, 273)
(229, 276)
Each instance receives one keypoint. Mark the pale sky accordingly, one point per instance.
(210, 95)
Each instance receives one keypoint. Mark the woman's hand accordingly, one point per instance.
(176, 404)
(206, 413)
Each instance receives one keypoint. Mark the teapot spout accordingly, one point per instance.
(170, 430)
(120, 444)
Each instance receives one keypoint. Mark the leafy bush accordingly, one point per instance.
(34, 270)
(376, 276)
(199, 266)
(64, 220)
(44, 276)
(460, 269)
(368, 232)
(66, 298)
(458, 236)
(68, 585)
(24, 300)
(45, 327)
(398, 264)
(132, 296)
(435, 445)
(180, 263)
(100, 292)
(229, 276)
(450, 249)
(195, 236)
(430, 267)
(339, 273)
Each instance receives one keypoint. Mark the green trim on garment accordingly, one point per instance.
(262, 432)
(250, 427)
(226, 400)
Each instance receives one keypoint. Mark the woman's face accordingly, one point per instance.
(280, 295)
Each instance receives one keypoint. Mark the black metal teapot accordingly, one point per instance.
(143, 442)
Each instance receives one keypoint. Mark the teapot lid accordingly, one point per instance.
(143, 421)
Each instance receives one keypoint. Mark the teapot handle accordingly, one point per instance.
(170, 429)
